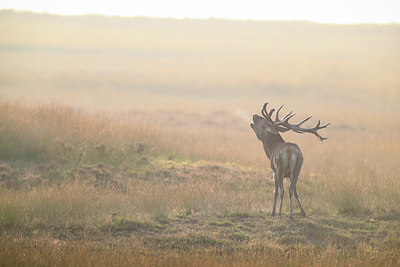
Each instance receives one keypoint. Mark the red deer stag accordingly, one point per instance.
(286, 158)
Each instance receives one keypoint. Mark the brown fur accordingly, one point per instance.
(286, 160)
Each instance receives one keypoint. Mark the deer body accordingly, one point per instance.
(286, 161)
(286, 158)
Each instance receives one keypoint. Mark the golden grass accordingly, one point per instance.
(66, 169)
(348, 175)
(149, 160)
(20, 252)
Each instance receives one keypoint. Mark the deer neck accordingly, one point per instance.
(270, 141)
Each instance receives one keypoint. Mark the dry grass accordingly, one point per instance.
(75, 180)
(66, 145)
(23, 253)
(144, 155)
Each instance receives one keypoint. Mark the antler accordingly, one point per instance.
(266, 114)
(284, 125)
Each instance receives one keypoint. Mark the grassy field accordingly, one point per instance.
(80, 189)
(125, 141)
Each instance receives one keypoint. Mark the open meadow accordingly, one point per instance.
(126, 142)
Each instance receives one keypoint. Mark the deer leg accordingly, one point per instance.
(291, 189)
(275, 195)
(282, 193)
(296, 194)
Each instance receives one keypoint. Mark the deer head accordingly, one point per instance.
(265, 125)
(262, 126)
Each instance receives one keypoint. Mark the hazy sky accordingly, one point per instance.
(325, 11)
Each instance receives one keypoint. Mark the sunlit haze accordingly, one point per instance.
(331, 11)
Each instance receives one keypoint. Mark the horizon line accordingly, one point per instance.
(191, 18)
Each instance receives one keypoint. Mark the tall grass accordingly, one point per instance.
(61, 168)
(85, 204)
(131, 164)
(41, 133)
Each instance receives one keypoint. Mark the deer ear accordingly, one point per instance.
(282, 129)
(271, 129)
